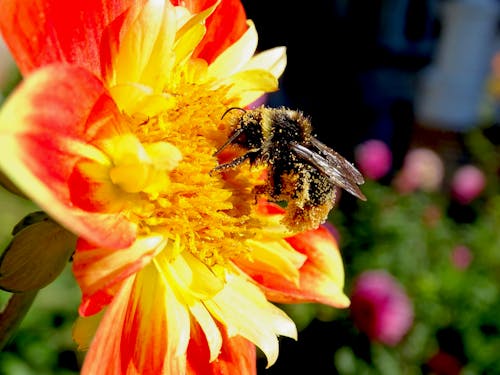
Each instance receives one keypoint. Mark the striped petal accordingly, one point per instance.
(41, 32)
(270, 258)
(47, 126)
(143, 49)
(135, 336)
(105, 361)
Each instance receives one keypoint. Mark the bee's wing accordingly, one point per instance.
(339, 170)
(337, 159)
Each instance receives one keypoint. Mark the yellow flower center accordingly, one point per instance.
(167, 161)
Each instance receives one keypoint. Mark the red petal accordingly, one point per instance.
(40, 32)
(238, 355)
(43, 126)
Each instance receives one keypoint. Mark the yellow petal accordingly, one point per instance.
(192, 278)
(156, 296)
(188, 42)
(244, 310)
(272, 60)
(251, 84)
(253, 80)
(191, 32)
(135, 99)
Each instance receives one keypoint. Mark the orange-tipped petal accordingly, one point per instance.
(237, 356)
(43, 32)
(46, 127)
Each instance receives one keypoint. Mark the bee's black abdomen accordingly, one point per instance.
(319, 187)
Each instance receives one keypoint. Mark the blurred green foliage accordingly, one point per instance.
(413, 237)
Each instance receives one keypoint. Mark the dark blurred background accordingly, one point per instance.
(381, 69)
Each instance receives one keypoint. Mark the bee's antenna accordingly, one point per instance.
(232, 109)
(235, 135)
(230, 140)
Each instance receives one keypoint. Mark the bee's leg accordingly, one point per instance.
(235, 162)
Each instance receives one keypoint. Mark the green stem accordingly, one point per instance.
(14, 313)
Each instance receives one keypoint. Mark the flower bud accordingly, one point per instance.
(36, 255)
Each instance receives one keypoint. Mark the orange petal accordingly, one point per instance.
(42, 32)
(47, 126)
(98, 271)
(238, 355)
(321, 277)
(273, 257)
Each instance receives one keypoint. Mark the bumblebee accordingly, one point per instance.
(302, 172)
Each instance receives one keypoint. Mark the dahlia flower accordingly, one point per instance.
(113, 132)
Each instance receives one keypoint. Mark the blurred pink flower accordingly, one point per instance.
(380, 307)
(423, 169)
(461, 257)
(373, 158)
(467, 183)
